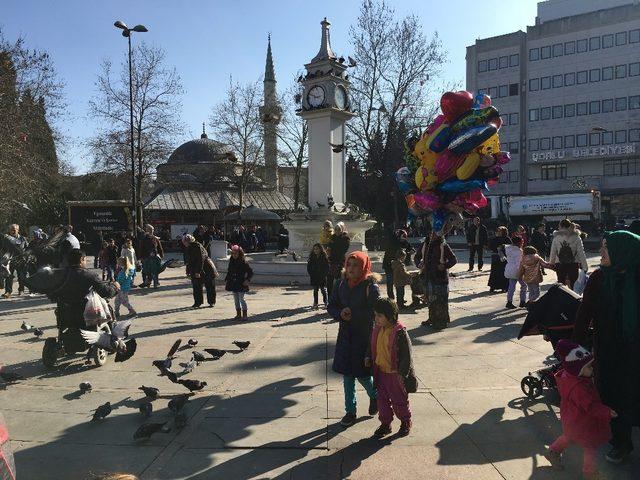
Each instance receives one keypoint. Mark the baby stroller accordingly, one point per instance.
(553, 316)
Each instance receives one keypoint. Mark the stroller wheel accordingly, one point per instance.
(50, 352)
(99, 356)
(531, 386)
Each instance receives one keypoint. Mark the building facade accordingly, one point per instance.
(568, 90)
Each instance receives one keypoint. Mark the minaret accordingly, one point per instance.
(271, 114)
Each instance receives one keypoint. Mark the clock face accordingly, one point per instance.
(316, 96)
(341, 97)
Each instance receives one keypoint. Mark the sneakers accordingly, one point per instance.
(405, 428)
(315, 306)
(470, 269)
(238, 314)
(617, 455)
(348, 420)
(373, 406)
(510, 306)
(382, 431)
(244, 315)
(554, 458)
(523, 304)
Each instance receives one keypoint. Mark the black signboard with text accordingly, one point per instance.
(94, 220)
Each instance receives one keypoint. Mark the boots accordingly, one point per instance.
(244, 314)
(238, 314)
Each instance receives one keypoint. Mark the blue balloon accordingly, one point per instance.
(438, 219)
(460, 186)
(405, 180)
(471, 139)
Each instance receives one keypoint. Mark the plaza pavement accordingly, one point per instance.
(272, 411)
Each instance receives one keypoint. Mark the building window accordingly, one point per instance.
(621, 71)
(557, 81)
(557, 50)
(569, 141)
(582, 46)
(493, 92)
(545, 143)
(594, 107)
(581, 140)
(594, 139)
(545, 52)
(594, 75)
(503, 62)
(569, 48)
(634, 36)
(634, 69)
(503, 91)
(634, 135)
(545, 113)
(514, 147)
(621, 104)
(533, 115)
(513, 89)
(505, 119)
(621, 136)
(514, 119)
(504, 146)
(621, 38)
(557, 143)
(607, 73)
(570, 110)
(582, 108)
(513, 176)
(514, 60)
(556, 111)
(534, 144)
(634, 102)
(493, 64)
(620, 167)
(607, 41)
(569, 79)
(607, 138)
(594, 44)
(534, 84)
(607, 105)
(482, 66)
(553, 172)
(545, 83)
(582, 77)
(534, 54)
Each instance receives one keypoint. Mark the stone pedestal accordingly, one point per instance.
(218, 249)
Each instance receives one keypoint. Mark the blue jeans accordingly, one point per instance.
(534, 291)
(238, 298)
(349, 384)
(512, 290)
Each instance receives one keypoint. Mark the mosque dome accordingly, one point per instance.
(201, 150)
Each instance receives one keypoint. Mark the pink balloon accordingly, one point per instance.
(454, 104)
(439, 120)
(446, 165)
(502, 157)
(427, 201)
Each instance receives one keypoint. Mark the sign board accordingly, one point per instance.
(178, 230)
(563, 205)
(91, 220)
(587, 152)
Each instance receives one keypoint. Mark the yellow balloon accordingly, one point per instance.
(469, 166)
(421, 149)
(492, 145)
(426, 179)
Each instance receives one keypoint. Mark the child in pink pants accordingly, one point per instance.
(392, 368)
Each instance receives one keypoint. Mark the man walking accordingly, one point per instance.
(20, 243)
(477, 240)
(151, 254)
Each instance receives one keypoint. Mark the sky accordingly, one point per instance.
(208, 40)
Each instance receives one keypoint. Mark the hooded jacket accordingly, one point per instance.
(514, 257)
(572, 237)
(530, 271)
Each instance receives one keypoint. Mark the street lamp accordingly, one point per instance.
(126, 32)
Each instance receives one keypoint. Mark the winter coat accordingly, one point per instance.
(471, 234)
(103, 258)
(237, 272)
(393, 245)
(530, 268)
(112, 251)
(339, 247)
(514, 257)
(149, 245)
(125, 279)
(354, 336)
(129, 254)
(325, 237)
(197, 261)
(497, 243)
(438, 251)
(572, 238)
(318, 269)
(540, 242)
(400, 275)
(585, 419)
(401, 358)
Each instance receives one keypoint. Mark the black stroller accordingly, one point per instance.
(553, 316)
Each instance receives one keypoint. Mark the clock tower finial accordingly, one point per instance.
(325, 52)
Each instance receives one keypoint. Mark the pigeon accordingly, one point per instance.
(341, 60)
(102, 411)
(337, 148)
(192, 385)
(146, 430)
(150, 392)
(85, 387)
(10, 377)
(198, 357)
(294, 255)
(127, 350)
(192, 342)
(215, 353)
(171, 376)
(320, 205)
(180, 420)
(352, 62)
(159, 364)
(177, 403)
(26, 327)
(242, 345)
(109, 341)
(188, 366)
(38, 332)
(146, 408)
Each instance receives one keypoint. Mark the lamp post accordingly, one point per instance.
(137, 215)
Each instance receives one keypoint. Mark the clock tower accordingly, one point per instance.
(326, 107)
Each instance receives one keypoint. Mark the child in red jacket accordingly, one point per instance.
(585, 419)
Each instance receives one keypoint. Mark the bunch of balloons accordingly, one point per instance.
(456, 158)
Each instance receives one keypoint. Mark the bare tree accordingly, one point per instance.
(157, 102)
(294, 135)
(236, 122)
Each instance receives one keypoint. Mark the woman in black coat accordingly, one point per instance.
(318, 269)
(497, 280)
(239, 275)
(339, 246)
(201, 270)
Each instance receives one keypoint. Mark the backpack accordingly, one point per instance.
(565, 254)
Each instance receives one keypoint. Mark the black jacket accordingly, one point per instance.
(471, 234)
(540, 242)
(339, 246)
(318, 269)
(237, 272)
(196, 260)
